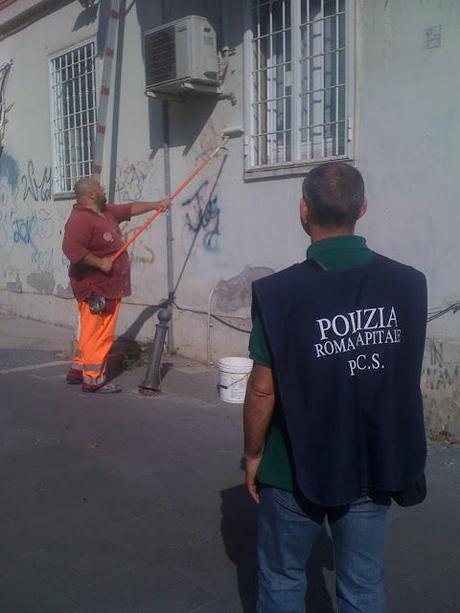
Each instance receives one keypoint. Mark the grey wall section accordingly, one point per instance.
(406, 144)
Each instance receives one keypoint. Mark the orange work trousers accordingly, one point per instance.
(97, 333)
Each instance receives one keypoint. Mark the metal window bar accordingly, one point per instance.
(322, 89)
(73, 114)
(322, 54)
(322, 77)
(279, 31)
(322, 83)
(270, 138)
(307, 88)
(337, 74)
(265, 101)
(67, 158)
(271, 89)
(283, 10)
(330, 16)
(260, 75)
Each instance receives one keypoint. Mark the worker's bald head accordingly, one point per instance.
(83, 186)
(89, 192)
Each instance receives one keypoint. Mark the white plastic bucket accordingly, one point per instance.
(233, 377)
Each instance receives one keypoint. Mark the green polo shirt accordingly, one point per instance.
(338, 253)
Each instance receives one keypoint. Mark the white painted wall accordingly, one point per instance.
(407, 146)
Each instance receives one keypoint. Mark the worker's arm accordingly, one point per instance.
(257, 414)
(75, 246)
(139, 208)
(104, 264)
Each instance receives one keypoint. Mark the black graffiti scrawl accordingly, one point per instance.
(4, 109)
(39, 190)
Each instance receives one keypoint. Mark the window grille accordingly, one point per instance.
(299, 81)
(73, 85)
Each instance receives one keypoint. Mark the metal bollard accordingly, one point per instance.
(152, 381)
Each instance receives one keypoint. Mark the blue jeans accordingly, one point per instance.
(287, 530)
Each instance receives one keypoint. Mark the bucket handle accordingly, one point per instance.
(226, 387)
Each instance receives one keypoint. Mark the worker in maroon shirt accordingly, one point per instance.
(91, 238)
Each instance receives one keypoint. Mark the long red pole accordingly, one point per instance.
(181, 187)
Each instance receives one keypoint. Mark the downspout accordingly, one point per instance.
(169, 231)
(111, 179)
(113, 17)
(224, 15)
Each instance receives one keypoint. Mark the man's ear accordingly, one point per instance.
(304, 210)
(363, 209)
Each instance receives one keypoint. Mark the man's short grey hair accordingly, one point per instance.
(335, 194)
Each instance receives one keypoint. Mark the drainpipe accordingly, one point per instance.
(106, 81)
(115, 132)
(169, 230)
(224, 17)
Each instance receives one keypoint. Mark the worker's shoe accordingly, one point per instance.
(109, 388)
(74, 377)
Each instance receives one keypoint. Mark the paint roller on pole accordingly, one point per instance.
(174, 195)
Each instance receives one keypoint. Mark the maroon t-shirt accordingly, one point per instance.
(89, 232)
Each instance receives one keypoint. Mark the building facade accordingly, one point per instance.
(298, 82)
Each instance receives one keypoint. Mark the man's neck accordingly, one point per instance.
(319, 234)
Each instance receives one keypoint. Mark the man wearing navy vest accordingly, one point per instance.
(333, 416)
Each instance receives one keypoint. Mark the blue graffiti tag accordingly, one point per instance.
(204, 216)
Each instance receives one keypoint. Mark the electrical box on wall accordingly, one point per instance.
(181, 57)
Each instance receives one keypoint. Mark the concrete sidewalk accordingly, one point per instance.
(134, 504)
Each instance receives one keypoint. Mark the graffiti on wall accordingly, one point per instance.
(39, 190)
(28, 226)
(202, 216)
(441, 385)
(140, 253)
(137, 181)
(202, 220)
(4, 109)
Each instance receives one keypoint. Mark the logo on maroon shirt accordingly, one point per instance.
(108, 237)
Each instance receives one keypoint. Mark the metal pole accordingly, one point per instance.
(169, 231)
(152, 381)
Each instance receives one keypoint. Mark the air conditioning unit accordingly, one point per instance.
(181, 57)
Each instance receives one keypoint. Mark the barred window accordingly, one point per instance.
(298, 67)
(73, 115)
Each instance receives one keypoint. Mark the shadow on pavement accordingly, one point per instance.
(238, 528)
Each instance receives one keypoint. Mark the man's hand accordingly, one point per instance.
(164, 204)
(105, 264)
(252, 465)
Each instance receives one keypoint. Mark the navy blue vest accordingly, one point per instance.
(347, 350)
